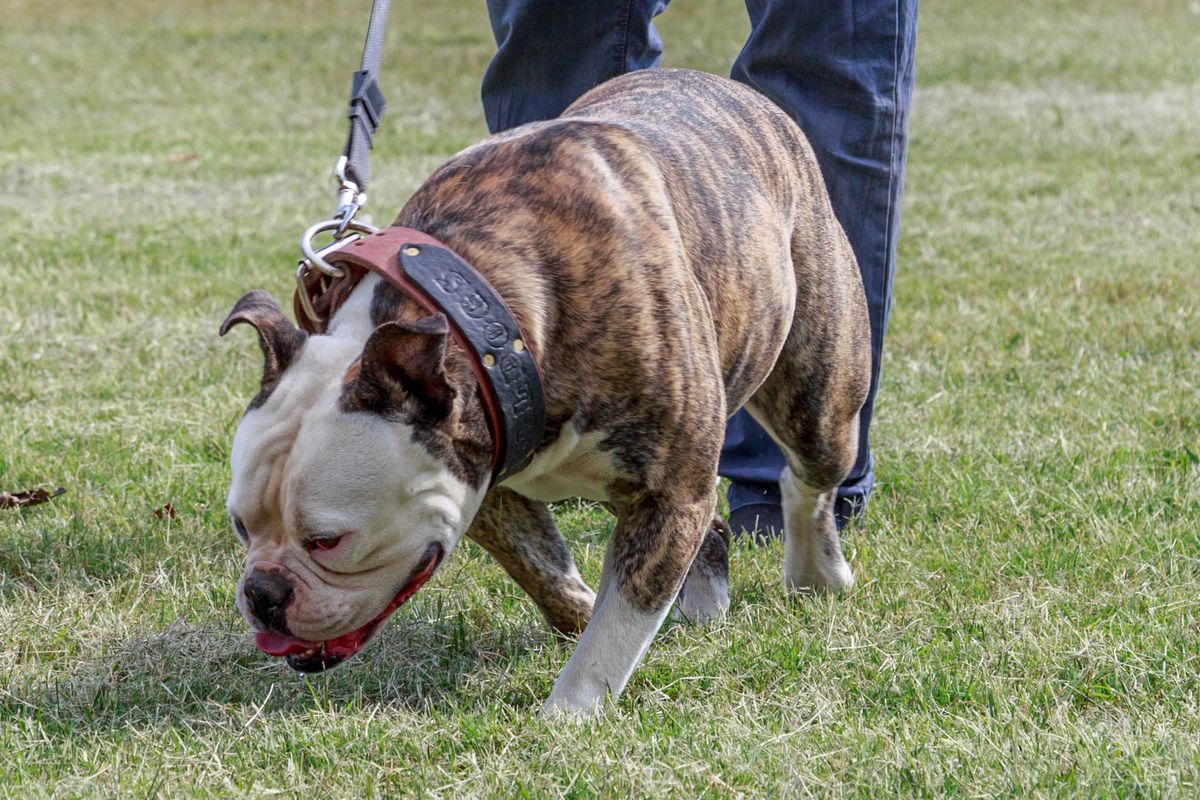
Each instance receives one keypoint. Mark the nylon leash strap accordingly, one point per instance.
(366, 108)
(353, 169)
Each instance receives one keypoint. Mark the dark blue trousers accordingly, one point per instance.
(843, 69)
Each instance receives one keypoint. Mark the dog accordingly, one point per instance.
(668, 248)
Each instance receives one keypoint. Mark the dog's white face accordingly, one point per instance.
(344, 512)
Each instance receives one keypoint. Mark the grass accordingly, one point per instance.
(1027, 616)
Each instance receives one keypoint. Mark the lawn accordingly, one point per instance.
(1027, 614)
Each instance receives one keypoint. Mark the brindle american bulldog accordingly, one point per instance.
(668, 248)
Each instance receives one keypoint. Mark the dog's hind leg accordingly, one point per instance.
(813, 559)
(520, 534)
(705, 592)
(809, 405)
(815, 423)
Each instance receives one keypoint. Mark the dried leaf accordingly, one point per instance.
(167, 511)
(34, 497)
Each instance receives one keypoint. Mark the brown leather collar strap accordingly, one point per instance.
(481, 324)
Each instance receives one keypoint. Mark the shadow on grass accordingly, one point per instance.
(76, 551)
(210, 677)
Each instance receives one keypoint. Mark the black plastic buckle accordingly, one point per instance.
(366, 101)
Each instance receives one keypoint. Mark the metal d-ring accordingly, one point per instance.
(314, 258)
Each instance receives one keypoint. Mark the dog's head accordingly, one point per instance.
(343, 485)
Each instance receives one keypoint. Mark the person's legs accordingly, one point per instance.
(843, 69)
(549, 52)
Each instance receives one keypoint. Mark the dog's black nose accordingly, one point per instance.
(267, 597)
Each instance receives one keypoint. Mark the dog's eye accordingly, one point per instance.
(240, 527)
(326, 542)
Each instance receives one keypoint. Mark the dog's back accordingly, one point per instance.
(695, 192)
(772, 226)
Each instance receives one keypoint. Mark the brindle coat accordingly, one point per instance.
(668, 247)
(652, 242)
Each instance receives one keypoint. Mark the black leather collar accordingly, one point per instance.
(440, 280)
(494, 340)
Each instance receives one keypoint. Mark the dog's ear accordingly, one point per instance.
(403, 362)
(279, 339)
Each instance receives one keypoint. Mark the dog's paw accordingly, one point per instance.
(703, 598)
(834, 578)
(567, 705)
(704, 595)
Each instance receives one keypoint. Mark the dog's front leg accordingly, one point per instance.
(654, 543)
(520, 533)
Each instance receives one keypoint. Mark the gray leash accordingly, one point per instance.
(366, 107)
(353, 169)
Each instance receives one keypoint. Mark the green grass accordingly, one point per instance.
(1027, 616)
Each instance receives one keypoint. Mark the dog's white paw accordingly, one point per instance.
(704, 595)
(564, 710)
(575, 698)
(832, 576)
(702, 599)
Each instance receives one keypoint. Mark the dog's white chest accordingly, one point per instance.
(573, 466)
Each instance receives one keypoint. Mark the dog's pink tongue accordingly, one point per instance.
(275, 644)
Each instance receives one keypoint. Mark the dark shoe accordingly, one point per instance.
(848, 510)
(754, 511)
(759, 521)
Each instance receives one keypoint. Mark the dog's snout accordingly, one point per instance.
(267, 597)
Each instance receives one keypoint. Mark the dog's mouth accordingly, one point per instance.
(305, 656)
